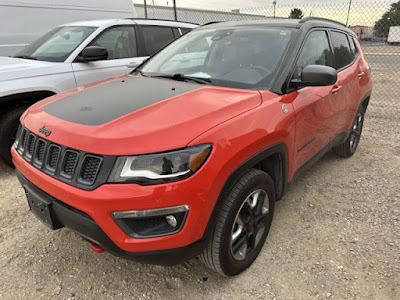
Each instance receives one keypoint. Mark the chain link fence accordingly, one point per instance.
(376, 23)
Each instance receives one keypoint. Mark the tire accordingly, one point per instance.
(237, 224)
(349, 147)
(9, 123)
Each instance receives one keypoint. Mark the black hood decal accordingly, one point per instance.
(109, 101)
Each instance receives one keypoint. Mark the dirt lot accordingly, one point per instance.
(336, 235)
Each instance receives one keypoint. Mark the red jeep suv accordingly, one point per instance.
(187, 155)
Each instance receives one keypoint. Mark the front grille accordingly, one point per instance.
(40, 150)
(24, 137)
(71, 166)
(69, 163)
(31, 144)
(89, 169)
(54, 156)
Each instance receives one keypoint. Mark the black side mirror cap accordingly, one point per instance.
(92, 53)
(315, 75)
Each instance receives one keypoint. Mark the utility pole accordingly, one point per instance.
(175, 14)
(348, 14)
(145, 9)
(274, 3)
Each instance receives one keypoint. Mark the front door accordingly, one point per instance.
(120, 41)
(315, 107)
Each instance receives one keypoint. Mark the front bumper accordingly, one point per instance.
(85, 226)
(197, 192)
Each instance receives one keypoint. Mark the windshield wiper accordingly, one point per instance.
(140, 72)
(25, 57)
(181, 77)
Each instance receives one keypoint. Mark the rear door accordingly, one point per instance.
(315, 107)
(123, 55)
(350, 72)
(155, 38)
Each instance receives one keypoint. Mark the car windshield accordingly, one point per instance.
(56, 45)
(240, 57)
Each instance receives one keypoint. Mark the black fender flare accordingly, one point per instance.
(278, 148)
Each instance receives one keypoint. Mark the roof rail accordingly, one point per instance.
(307, 19)
(133, 19)
(209, 23)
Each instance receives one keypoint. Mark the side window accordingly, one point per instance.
(120, 42)
(353, 47)
(156, 37)
(316, 51)
(176, 32)
(185, 30)
(341, 50)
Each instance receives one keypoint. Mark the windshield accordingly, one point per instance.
(56, 45)
(244, 57)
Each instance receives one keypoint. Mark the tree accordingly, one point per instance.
(296, 13)
(389, 19)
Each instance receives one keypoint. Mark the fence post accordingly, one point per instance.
(175, 14)
(145, 9)
(348, 14)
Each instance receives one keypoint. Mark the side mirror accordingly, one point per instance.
(315, 75)
(92, 53)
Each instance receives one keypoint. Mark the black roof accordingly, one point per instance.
(284, 22)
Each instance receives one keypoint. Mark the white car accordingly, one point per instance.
(73, 55)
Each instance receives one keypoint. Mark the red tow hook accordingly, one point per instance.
(96, 248)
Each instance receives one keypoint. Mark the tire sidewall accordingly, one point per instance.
(351, 151)
(229, 265)
(9, 124)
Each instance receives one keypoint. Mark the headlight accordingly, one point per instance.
(161, 167)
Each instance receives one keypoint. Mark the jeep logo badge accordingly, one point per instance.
(45, 131)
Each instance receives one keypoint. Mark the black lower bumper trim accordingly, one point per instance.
(86, 227)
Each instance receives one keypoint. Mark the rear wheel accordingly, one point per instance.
(8, 131)
(349, 147)
(242, 225)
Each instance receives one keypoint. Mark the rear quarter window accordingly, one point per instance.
(343, 54)
(353, 47)
(185, 30)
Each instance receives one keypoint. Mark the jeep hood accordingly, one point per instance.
(18, 68)
(135, 115)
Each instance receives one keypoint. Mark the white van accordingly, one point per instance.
(23, 21)
(394, 35)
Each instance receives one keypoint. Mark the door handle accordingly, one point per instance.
(132, 65)
(336, 89)
(361, 75)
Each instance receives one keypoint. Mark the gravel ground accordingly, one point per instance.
(335, 235)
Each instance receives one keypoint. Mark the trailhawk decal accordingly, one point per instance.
(109, 101)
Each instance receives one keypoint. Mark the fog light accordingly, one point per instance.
(171, 220)
(152, 222)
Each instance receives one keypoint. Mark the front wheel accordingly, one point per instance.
(349, 147)
(8, 131)
(242, 225)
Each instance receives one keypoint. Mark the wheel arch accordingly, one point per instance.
(24, 98)
(273, 160)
